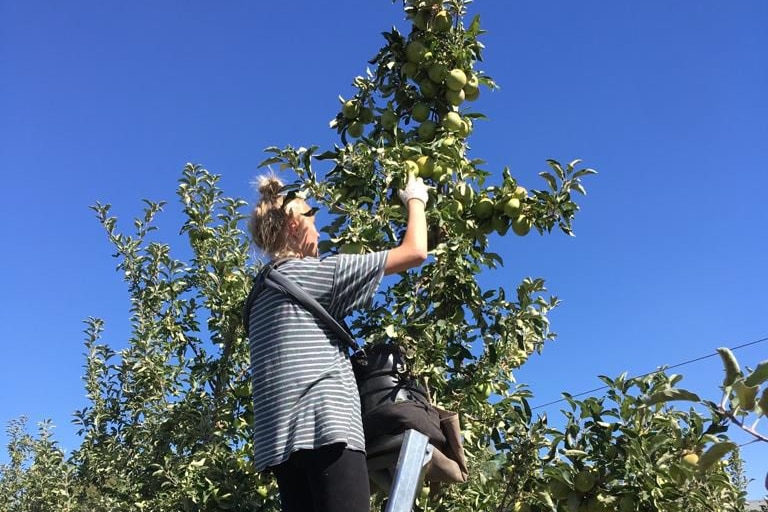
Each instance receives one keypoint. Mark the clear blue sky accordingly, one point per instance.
(106, 101)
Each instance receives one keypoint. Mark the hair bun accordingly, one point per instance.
(269, 188)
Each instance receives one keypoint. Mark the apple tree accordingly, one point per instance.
(167, 421)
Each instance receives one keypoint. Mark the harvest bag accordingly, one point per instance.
(391, 400)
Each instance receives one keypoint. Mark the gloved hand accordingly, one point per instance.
(414, 189)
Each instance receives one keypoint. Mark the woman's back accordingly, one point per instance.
(305, 395)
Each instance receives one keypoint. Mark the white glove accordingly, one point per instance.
(414, 189)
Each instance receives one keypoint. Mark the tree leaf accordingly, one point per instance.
(327, 155)
(474, 26)
(672, 394)
(714, 454)
(758, 376)
(573, 164)
(583, 172)
(732, 370)
(763, 402)
(745, 394)
(555, 165)
(270, 161)
(550, 180)
(578, 187)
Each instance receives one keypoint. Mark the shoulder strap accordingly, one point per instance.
(272, 278)
(256, 289)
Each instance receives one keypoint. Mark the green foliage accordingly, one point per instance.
(167, 428)
(616, 452)
(37, 477)
(742, 395)
(167, 423)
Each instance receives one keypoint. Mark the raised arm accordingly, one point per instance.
(412, 251)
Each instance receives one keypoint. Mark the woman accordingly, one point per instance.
(307, 421)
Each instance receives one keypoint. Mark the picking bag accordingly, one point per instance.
(393, 401)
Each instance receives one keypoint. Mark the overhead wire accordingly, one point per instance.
(659, 370)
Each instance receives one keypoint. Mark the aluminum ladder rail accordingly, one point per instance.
(415, 454)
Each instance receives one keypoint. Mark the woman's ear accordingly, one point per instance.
(292, 225)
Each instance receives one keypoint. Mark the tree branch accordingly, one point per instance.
(731, 416)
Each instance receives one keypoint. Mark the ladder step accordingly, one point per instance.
(415, 454)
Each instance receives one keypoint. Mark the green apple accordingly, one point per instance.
(456, 207)
(355, 129)
(448, 141)
(521, 225)
(691, 459)
(350, 109)
(466, 128)
(427, 88)
(471, 95)
(438, 171)
(455, 98)
(559, 489)
(411, 167)
(365, 116)
(388, 119)
(483, 208)
(420, 112)
(415, 51)
(436, 72)
(426, 130)
(426, 166)
(511, 207)
(585, 480)
(500, 224)
(452, 122)
(442, 21)
(456, 79)
(472, 87)
(409, 69)
(420, 20)
(464, 193)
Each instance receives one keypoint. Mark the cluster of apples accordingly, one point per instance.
(498, 213)
(441, 91)
(425, 78)
(357, 116)
(430, 83)
(493, 214)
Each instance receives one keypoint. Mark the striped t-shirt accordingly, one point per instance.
(304, 391)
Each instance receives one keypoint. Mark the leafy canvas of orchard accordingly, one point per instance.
(167, 423)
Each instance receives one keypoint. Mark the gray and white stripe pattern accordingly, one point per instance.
(304, 391)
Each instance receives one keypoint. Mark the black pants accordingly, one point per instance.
(329, 479)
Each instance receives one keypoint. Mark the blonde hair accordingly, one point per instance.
(269, 219)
